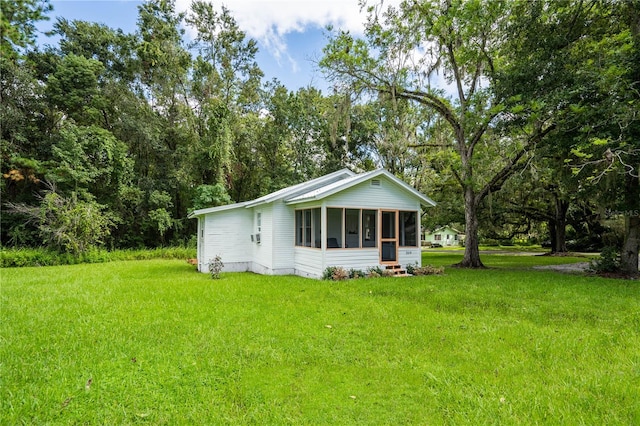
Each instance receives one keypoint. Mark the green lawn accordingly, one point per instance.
(155, 342)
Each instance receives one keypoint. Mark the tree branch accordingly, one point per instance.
(510, 168)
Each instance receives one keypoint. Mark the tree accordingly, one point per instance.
(210, 196)
(405, 47)
(66, 223)
(74, 89)
(585, 69)
(17, 24)
(608, 154)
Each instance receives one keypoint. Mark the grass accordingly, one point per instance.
(18, 257)
(506, 260)
(154, 342)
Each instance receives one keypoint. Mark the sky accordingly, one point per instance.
(290, 33)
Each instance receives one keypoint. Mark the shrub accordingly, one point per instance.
(356, 273)
(428, 270)
(328, 273)
(374, 272)
(411, 267)
(609, 261)
(387, 273)
(215, 267)
(339, 274)
(20, 257)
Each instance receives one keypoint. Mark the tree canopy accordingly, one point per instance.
(519, 118)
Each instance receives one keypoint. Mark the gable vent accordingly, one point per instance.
(376, 182)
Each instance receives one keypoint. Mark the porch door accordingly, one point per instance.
(388, 237)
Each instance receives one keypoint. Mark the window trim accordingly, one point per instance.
(300, 229)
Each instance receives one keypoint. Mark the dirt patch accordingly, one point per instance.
(580, 267)
(583, 268)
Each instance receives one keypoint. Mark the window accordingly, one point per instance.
(408, 229)
(308, 227)
(437, 237)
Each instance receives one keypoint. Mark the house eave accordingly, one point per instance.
(319, 194)
(202, 212)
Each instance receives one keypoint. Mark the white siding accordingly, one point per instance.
(308, 262)
(283, 236)
(263, 252)
(386, 196)
(409, 255)
(226, 233)
(353, 258)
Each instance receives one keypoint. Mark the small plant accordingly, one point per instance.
(355, 274)
(328, 273)
(339, 274)
(428, 270)
(335, 273)
(374, 272)
(387, 272)
(215, 267)
(411, 267)
(609, 261)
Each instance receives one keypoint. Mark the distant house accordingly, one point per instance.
(446, 236)
(341, 219)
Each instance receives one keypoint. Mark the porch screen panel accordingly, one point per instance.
(317, 238)
(408, 229)
(299, 227)
(352, 228)
(389, 251)
(307, 228)
(369, 228)
(388, 224)
(334, 228)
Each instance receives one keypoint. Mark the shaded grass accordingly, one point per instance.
(155, 342)
(514, 261)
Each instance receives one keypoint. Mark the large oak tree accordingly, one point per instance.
(407, 50)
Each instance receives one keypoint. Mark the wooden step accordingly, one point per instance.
(397, 270)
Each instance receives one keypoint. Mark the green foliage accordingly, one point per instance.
(73, 88)
(210, 196)
(160, 203)
(354, 274)
(608, 261)
(17, 24)
(23, 257)
(374, 272)
(71, 225)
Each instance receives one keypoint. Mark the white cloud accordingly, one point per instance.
(269, 21)
(267, 18)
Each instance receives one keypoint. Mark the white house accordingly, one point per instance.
(341, 219)
(445, 236)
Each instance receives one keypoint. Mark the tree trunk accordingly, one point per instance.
(560, 244)
(552, 234)
(471, 251)
(629, 254)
